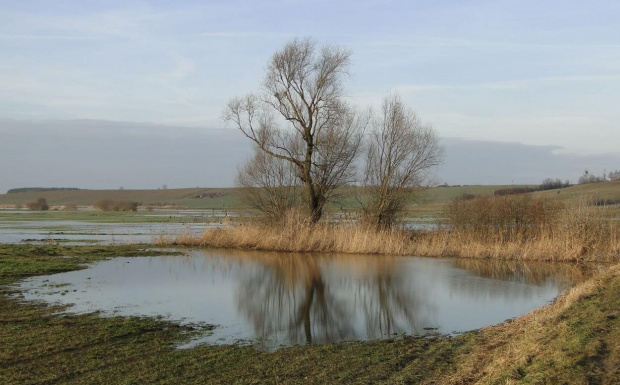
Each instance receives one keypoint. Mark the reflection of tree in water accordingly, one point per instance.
(531, 272)
(390, 304)
(289, 294)
(522, 274)
(294, 299)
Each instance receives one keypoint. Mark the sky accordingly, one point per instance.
(526, 75)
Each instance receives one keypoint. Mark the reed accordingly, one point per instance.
(545, 232)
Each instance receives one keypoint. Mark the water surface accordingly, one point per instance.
(279, 299)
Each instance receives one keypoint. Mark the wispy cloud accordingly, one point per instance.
(517, 84)
(404, 41)
(48, 37)
(239, 34)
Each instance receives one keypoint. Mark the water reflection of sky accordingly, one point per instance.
(105, 233)
(284, 299)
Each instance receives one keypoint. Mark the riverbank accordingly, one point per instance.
(578, 243)
(514, 227)
(571, 341)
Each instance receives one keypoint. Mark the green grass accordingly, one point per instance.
(222, 197)
(605, 190)
(573, 341)
(219, 198)
(104, 217)
(228, 198)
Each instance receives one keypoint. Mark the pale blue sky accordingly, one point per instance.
(532, 72)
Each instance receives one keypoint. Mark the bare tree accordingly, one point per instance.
(401, 154)
(301, 118)
(269, 184)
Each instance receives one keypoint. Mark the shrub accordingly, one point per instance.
(110, 205)
(506, 216)
(104, 205)
(125, 206)
(514, 190)
(39, 205)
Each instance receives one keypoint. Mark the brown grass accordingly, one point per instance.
(550, 345)
(574, 233)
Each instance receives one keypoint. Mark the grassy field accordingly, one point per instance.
(111, 216)
(606, 191)
(572, 341)
(223, 198)
(213, 198)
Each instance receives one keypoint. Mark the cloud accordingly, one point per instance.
(516, 84)
(108, 154)
(47, 37)
(489, 162)
(105, 154)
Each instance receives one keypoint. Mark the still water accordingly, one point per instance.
(279, 299)
(79, 232)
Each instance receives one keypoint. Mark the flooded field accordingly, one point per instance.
(20, 226)
(91, 226)
(275, 299)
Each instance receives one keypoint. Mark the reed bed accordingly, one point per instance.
(507, 228)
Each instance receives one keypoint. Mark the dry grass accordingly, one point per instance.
(550, 345)
(578, 232)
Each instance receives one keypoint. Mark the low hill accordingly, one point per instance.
(187, 197)
(218, 198)
(606, 191)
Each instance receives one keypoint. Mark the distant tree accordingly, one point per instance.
(550, 184)
(110, 205)
(588, 177)
(38, 205)
(401, 153)
(614, 175)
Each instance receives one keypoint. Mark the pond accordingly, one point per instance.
(279, 299)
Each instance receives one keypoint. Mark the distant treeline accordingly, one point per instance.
(547, 184)
(588, 177)
(36, 189)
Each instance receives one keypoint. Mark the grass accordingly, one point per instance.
(214, 198)
(109, 216)
(569, 233)
(571, 341)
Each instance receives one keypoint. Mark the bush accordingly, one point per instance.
(110, 205)
(505, 215)
(125, 206)
(104, 205)
(39, 205)
(552, 184)
(514, 190)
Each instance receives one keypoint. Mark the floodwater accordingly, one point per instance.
(278, 299)
(18, 230)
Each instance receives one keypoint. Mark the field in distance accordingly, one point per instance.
(229, 198)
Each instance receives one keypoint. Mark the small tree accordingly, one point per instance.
(301, 118)
(588, 177)
(270, 185)
(40, 205)
(401, 152)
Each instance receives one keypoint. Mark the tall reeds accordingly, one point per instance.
(516, 227)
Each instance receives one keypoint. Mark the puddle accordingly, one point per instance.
(277, 299)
